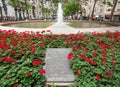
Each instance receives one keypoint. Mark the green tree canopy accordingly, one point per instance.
(46, 10)
(71, 8)
(14, 3)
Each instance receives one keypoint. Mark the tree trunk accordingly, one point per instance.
(95, 1)
(27, 13)
(1, 13)
(4, 7)
(20, 16)
(113, 9)
(16, 16)
(23, 13)
(42, 6)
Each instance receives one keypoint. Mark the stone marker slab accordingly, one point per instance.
(57, 65)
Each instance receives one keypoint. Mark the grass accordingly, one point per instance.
(31, 24)
(88, 24)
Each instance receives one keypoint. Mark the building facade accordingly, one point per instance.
(108, 9)
(103, 10)
(35, 12)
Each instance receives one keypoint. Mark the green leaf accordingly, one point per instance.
(98, 71)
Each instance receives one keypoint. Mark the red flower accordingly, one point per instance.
(113, 63)
(78, 72)
(36, 62)
(90, 61)
(82, 56)
(94, 54)
(116, 34)
(104, 59)
(12, 51)
(70, 55)
(32, 49)
(48, 31)
(94, 63)
(113, 51)
(42, 71)
(9, 59)
(6, 59)
(1, 46)
(103, 45)
(101, 62)
(108, 75)
(23, 50)
(16, 85)
(109, 47)
(43, 31)
(15, 42)
(74, 48)
(42, 44)
(103, 54)
(98, 77)
(28, 73)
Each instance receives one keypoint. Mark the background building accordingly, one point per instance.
(107, 11)
(44, 9)
(103, 9)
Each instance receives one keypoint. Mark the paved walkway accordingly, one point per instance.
(63, 29)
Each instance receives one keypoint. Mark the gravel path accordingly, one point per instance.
(63, 29)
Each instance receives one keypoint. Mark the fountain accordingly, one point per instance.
(59, 25)
(60, 13)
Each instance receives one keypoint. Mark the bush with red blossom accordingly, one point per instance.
(95, 58)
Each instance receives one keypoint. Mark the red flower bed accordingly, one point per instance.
(95, 58)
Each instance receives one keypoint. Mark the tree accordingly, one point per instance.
(19, 6)
(26, 7)
(16, 5)
(4, 7)
(103, 2)
(1, 13)
(113, 9)
(42, 6)
(95, 1)
(55, 5)
(71, 8)
(82, 1)
(46, 11)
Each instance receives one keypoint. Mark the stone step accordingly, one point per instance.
(57, 67)
(60, 84)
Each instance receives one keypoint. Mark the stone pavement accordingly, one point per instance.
(57, 66)
(63, 29)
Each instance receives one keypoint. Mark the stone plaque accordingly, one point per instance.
(57, 65)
